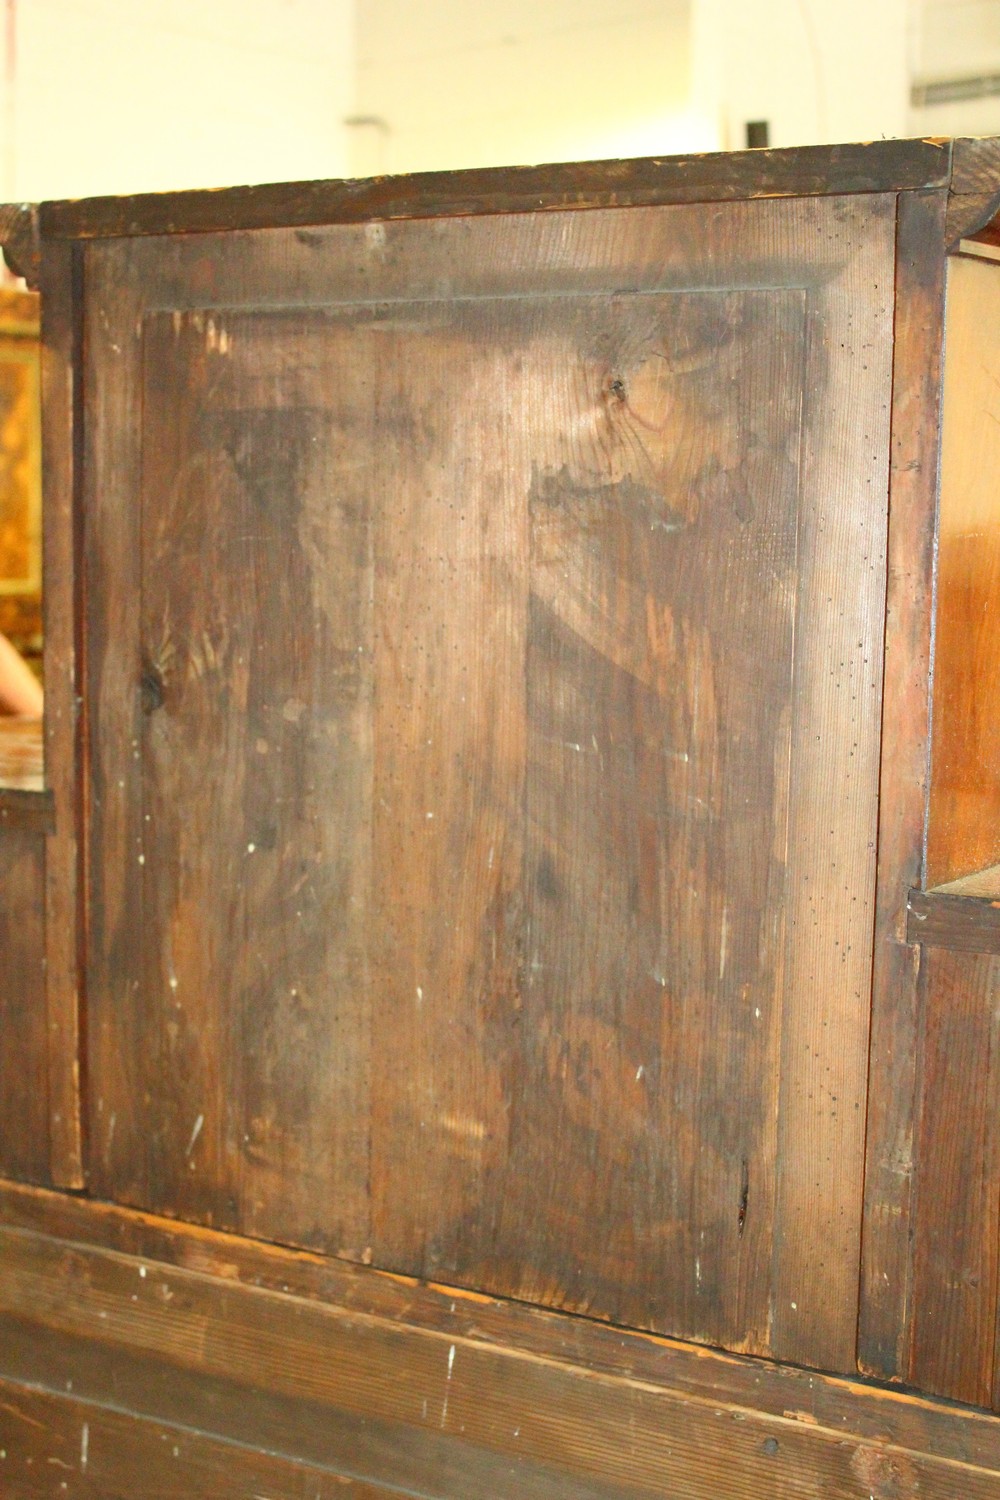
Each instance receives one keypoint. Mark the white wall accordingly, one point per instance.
(816, 70)
(461, 83)
(129, 95)
(957, 39)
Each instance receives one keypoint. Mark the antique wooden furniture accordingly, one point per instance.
(479, 1011)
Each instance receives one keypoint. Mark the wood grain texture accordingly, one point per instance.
(876, 1412)
(633, 796)
(979, 883)
(962, 833)
(886, 1300)
(389, 1404)
(833, 804)
(958, 1181)
(61, 292)
(24, 1095)
(568, 743)
(871, 167)
(258, 933)
(55, 1445)
(968, 924)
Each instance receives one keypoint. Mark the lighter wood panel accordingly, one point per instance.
(963, 829)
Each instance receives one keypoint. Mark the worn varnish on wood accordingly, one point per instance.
(459, 900)
(491, 817)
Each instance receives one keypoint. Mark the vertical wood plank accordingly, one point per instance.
(61, 293)
(450, 557)
(834, 803)
(24, 1049)
(897, 1021)
(664, 526)
(119, 1150)
(256, 773)
(956, 1237)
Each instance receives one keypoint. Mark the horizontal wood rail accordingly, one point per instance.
(938, 919)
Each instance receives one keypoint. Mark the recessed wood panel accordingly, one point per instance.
(480, 648)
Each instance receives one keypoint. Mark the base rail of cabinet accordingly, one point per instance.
(138, 1352)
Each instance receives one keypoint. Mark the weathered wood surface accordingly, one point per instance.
(61, 292)
(488, 684)
(24, 1121)
(872, 167)
(845, 1406)
(886, 1296)
(54, 1445)
(970, 924)
(957, 1154)
(396, 1404)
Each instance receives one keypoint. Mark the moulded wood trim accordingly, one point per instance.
(876, 166)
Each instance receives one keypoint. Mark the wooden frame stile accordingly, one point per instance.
(54, 812)
(60, 284)
(931, 1264)
(896, 1006)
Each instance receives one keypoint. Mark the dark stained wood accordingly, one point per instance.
(61, 291)
(266, 675)
(20, 240)
(958, 1181)
(56, 1445)
(400, 1407)
(843, 1406)
(26, 809)
(886, 1299)
(555, 1113)
(634, 794)
(967, 923)
(873, 167)
(833, 806)
(24, 1122)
